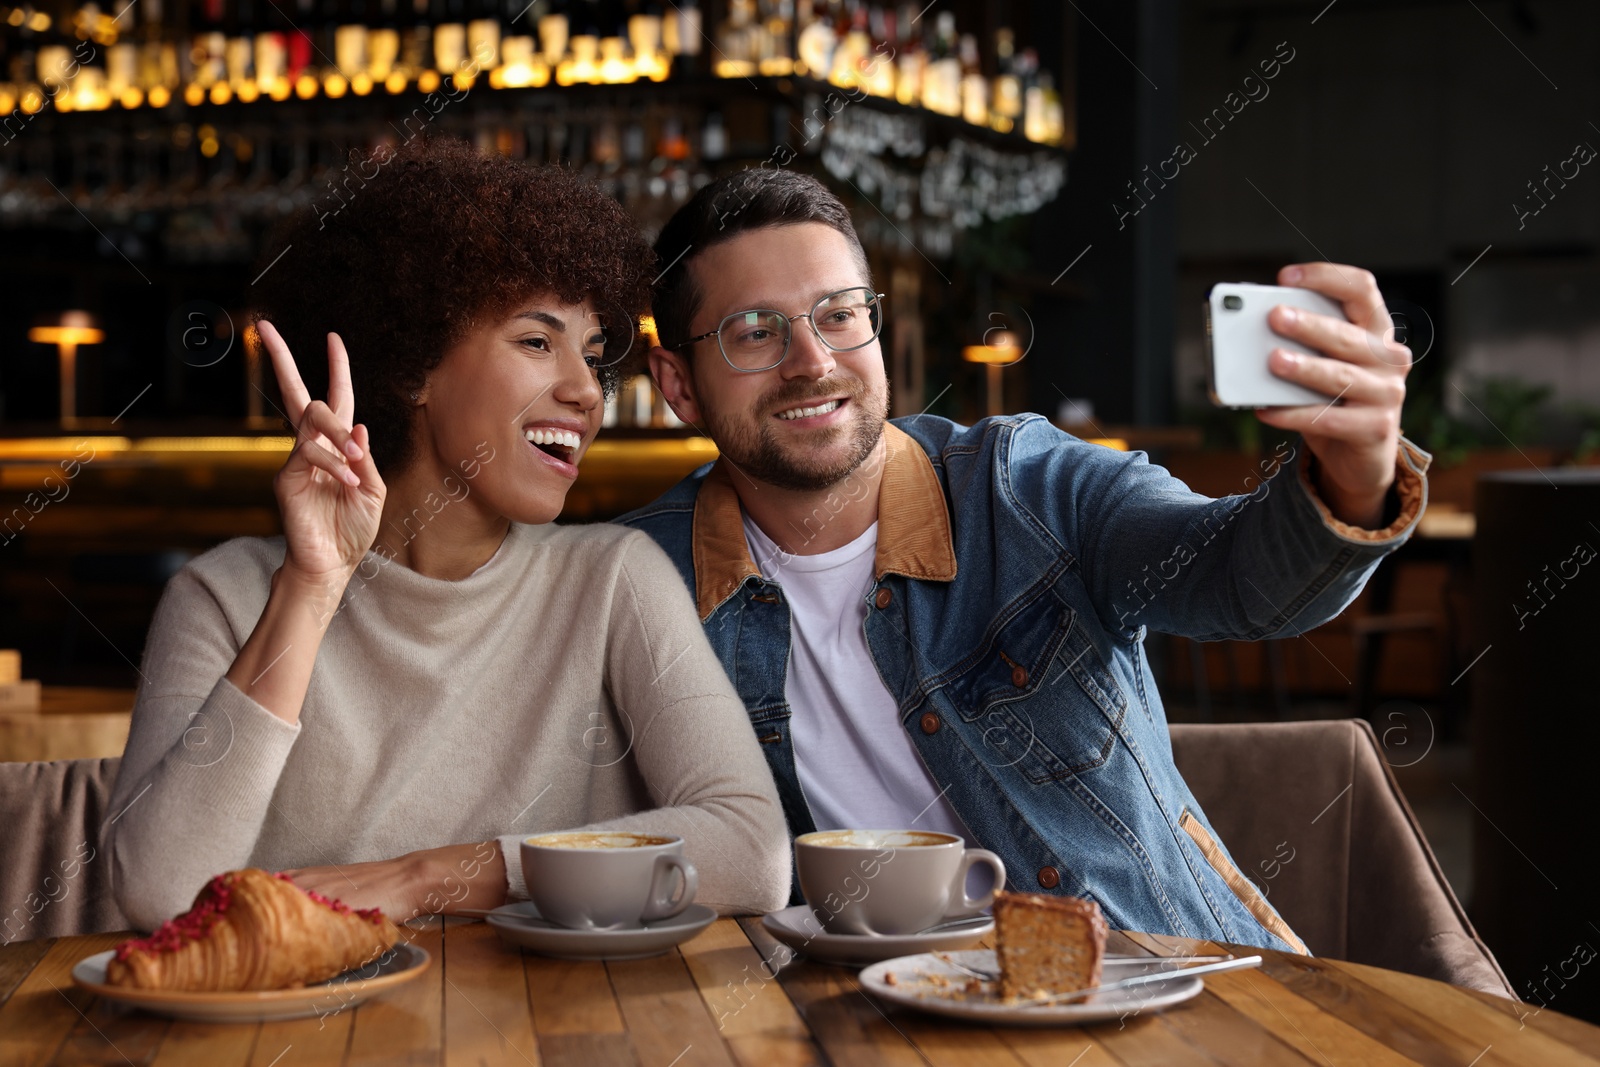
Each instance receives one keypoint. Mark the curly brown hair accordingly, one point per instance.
(413, 248)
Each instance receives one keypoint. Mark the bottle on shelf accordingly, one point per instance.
(520, 63)
(1005, 105)
(713, 138)
(644, 34)
(271, 60)
(851, 43)
(239, 51)
(683, 37)
(775, 51)
(941, 82)
(334, 81)
(974, 87)
(554, 29)
(122, 62)
(24, 63)
(449, 36)
(878, 69)
(582, 63)
(483, 37)
(815, 41)
(208, 56)
(416, 46)
(736, 41)
(383, 45)
(98, 29)
(302, 62)
(911, 57)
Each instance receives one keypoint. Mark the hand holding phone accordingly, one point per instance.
(1239, 340)
(1328, 367)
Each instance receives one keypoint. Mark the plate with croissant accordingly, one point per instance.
(255, 946)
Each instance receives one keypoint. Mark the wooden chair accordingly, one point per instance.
(1314, 817)
(55, 877)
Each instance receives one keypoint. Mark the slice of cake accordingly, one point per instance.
(1047, 945)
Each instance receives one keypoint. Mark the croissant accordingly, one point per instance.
(250, 930)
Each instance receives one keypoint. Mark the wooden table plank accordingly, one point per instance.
(1211, 1025)
(569, 997)
(576, 1019)
(191, 1044)
(765, 1049)
(45, 1006)
(405, 1026)
(587, 1050)
(1399, 1026)
(739, 986)
(17, 958)
(486, 1018)
(1057, 1048)
(1317, 1035)
(848, 1026)
(666, 1019)
(1499, 1025)
(320, 1042)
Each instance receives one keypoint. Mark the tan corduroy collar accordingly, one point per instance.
(914, 538)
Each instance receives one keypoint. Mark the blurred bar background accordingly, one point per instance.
(1046, 191)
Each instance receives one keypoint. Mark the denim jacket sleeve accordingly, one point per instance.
(1271, 561)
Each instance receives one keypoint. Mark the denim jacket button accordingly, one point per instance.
(1049, 877)
(930, 723)
(883, 598)
(1019, 676)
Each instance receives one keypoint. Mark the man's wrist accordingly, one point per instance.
(1364, 509)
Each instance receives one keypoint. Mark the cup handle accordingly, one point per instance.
(662, 905)
(958, 890)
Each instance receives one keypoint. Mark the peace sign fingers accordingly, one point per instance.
(290, 383)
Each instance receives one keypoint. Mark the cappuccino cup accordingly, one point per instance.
(879, 883)
(607, 880)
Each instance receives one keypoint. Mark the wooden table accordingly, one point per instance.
(713, 1002)
(72, 722)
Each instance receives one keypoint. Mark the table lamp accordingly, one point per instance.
(1000, 352)
(71, 329)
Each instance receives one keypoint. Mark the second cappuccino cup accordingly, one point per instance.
(890, 882)
(614, 880)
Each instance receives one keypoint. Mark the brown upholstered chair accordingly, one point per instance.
(55, 878)
(1313, 815)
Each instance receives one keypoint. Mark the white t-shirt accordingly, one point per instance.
(857, 767)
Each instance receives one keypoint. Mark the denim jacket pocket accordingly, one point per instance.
(1015, 697)
(1248, 895)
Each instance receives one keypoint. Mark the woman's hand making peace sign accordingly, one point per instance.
(329, 491)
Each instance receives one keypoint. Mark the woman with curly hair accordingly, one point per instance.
(424, 669)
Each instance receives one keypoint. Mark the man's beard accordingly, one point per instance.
(757, 452)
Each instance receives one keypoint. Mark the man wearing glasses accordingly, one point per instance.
(941, 627)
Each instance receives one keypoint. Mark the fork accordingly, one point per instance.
(994, 976)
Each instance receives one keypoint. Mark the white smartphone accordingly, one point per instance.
(1238, 341)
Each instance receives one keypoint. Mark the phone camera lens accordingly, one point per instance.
(1233, 303)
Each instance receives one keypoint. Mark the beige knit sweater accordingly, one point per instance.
(565, 683)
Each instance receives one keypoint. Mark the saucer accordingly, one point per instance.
(396, 967)
(802, 931)
(520, 926)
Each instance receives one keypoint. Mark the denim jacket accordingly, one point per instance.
(1018, 570)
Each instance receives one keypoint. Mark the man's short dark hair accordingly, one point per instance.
(748, 200)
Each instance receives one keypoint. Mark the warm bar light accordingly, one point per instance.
(75, 328)
(997, 356)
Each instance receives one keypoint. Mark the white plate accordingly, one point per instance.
(916, 986)
(521, 926)
(395, 967)
(802, 931)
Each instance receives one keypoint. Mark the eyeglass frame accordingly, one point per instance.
(877, 330)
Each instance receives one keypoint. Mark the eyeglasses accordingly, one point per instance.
(758, 339)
